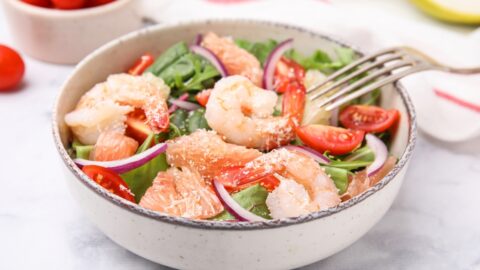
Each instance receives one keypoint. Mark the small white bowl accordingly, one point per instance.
(192, 244)
(67, 36)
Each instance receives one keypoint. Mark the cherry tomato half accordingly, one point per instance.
(368, 118)
(142, 64)
(293, 103)
(38, 3)
(109, 180)
(286, 72)
(12, 68)
(69, 4)
(234, 179)
(337, 141)
(137, 127)
(203, 96)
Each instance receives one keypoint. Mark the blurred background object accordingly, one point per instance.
(454, 11)
(66, 36)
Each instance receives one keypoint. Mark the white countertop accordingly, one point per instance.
(433, 224)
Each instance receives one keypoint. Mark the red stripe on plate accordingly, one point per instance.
(458, 101)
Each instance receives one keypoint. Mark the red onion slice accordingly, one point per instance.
(211, 57)
(127, 164)
(182, 104)
(174, 107)
(232, 206)
(271, 63)
(198, 39)
(317, 156)
(381, 153)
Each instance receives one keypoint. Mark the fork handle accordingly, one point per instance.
(464, 71)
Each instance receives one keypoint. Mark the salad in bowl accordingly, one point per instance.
(223, 128)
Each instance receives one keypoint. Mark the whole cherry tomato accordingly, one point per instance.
(12, 68)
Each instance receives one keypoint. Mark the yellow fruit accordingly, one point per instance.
(455, 11)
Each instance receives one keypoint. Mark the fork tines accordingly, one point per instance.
(344, 85)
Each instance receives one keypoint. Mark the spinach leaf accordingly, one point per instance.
(178, 119)
(141, 178)
(253, 199)
(197, 121)
(82, 151)
(184, 71)
(339, 177)
(190, 72)
(184, 123)
(260, 50)
(168, 57)
(179, 71)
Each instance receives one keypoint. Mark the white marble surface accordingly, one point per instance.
(433, 224)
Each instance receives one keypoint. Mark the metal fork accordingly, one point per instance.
(386, 66)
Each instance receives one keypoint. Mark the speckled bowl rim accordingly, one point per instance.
(218, 225)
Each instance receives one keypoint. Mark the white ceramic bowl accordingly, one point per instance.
(189, 244)
(67, 36)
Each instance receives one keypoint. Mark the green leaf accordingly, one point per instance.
(197, 120)
(371, 98)
(339, 177)
(184, 71)
(345, 55)
(201, 80)
(179, 71)
(174, 132)
(168, 57)
(361, 154)
(178, 120)
(141, 178)
(260, 50)
(277, 112)
(321, 60)
(253, 199)
(82, 151)
(349, 165)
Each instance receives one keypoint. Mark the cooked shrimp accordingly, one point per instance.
(289, 199)
(361, 182)
(104, 107)
(182, 192)
(237, 61)
(242, 112)
(206, 152)
(303, 170)
(113, 145)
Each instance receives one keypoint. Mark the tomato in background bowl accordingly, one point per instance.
(67, 4)
(39, 3)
